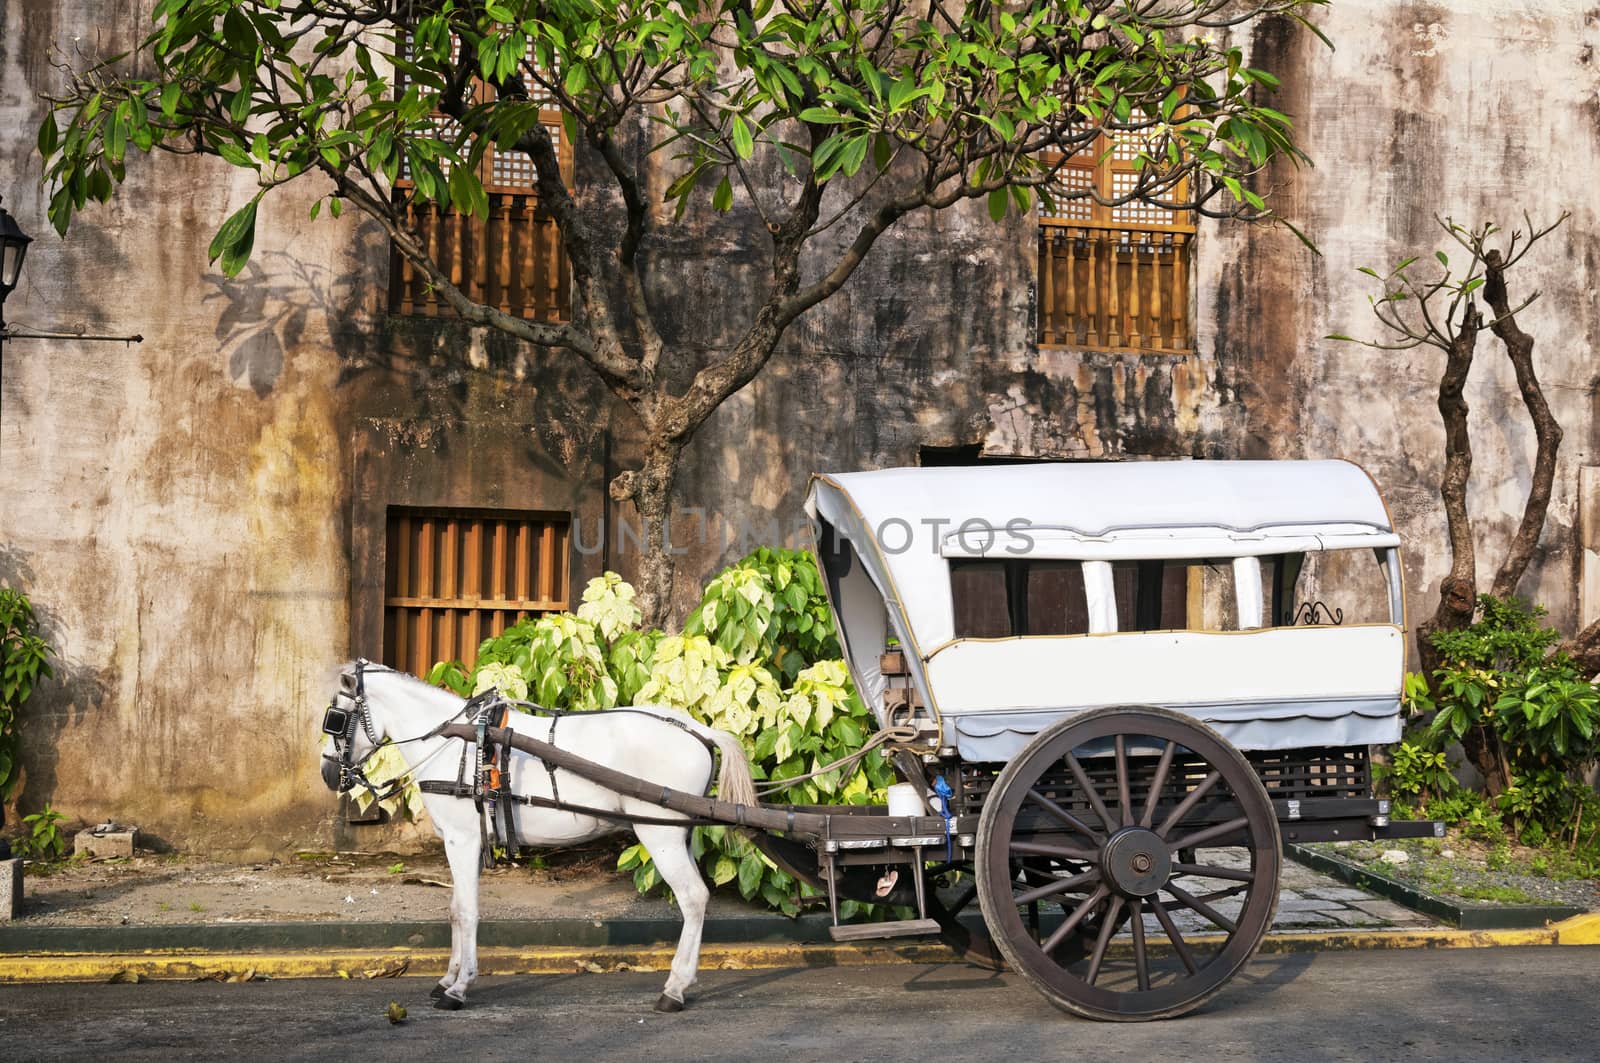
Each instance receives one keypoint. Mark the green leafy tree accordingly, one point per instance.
(822, 121)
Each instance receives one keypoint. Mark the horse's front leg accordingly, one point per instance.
(669, 848)
(464, 852)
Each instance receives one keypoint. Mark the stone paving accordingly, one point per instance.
(1307, 900)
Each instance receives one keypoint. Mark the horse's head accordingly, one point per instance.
(351, 732)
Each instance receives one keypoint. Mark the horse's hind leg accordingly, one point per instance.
(669, 848)
(464, 853)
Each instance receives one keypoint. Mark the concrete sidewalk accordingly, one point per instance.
(354, 916)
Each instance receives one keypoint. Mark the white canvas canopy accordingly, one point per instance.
(887, 539)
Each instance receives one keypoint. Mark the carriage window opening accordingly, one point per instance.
(1327, 588)
(454, 577)
(1000, 599)
(981, 599)
(1057, 601)
(1173, 595)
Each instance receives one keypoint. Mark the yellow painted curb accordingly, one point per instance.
(371, 963)
(1579, 930)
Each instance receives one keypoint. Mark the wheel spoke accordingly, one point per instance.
(1189, 802)
(1189, 900)
(1063, 816)
(1107, 925)
(1060, 885)
(1200, 837)
(1124, 800)
(1223, 894)
(1065, 852)
(1077, 916)
(1160, 780)
(1098, 805)
(1140, 960)
(1178, 944)
(1207, 871)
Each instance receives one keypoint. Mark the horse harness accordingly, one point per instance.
(489, 786)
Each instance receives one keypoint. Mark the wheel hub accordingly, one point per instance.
(1136, 862)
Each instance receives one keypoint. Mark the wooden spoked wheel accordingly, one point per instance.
(1127, 863)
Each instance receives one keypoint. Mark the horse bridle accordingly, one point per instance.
(341, 724)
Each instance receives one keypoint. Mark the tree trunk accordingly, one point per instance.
(1458, 591)
(1547, 433)
(650, 490)
(1584, 649)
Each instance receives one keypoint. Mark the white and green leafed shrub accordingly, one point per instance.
(758, 657)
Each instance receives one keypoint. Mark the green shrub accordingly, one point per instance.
(42, 838)
(1499, 684)
(23, 663)
(1417, 773)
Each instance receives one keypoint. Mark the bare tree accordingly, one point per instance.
(1443, 312)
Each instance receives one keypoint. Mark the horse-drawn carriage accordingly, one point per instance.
(1112, 690)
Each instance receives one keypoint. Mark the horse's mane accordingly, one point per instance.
(347, 678)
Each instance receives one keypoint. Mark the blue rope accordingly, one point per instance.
(942, 790)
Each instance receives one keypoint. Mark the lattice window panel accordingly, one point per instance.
(1070, 181)
(1135, 213)
(502, 171)
(513, 258)
(1109, 168)
(456, 577)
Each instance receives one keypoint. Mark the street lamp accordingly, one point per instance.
(13, 248)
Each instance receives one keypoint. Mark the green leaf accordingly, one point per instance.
(820, 116)
(235, 239)
(750, 870)
(49, 134)
(999, 200)
(722, 198)
(743, 142)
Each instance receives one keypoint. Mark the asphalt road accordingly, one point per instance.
(1491, 1005)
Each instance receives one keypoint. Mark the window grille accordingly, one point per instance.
(1113, 277)
(454, 577)
(514, 258)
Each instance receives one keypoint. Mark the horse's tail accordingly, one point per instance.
(734, 782)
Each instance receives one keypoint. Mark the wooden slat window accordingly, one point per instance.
(1113, 278)
(454, 577)
(514, 258)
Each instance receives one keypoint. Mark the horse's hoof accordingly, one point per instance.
(667, 1004)
(446, 1002)
(437, 991)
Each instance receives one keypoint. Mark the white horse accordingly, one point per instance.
(658, 745)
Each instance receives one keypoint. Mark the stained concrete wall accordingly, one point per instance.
(198, 517)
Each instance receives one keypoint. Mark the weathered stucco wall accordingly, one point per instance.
(197, 516)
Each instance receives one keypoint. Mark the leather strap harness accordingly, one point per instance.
(489, 785)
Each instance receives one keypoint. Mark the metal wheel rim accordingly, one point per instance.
(1059, 973)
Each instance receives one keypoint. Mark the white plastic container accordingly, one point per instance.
(904, 800)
